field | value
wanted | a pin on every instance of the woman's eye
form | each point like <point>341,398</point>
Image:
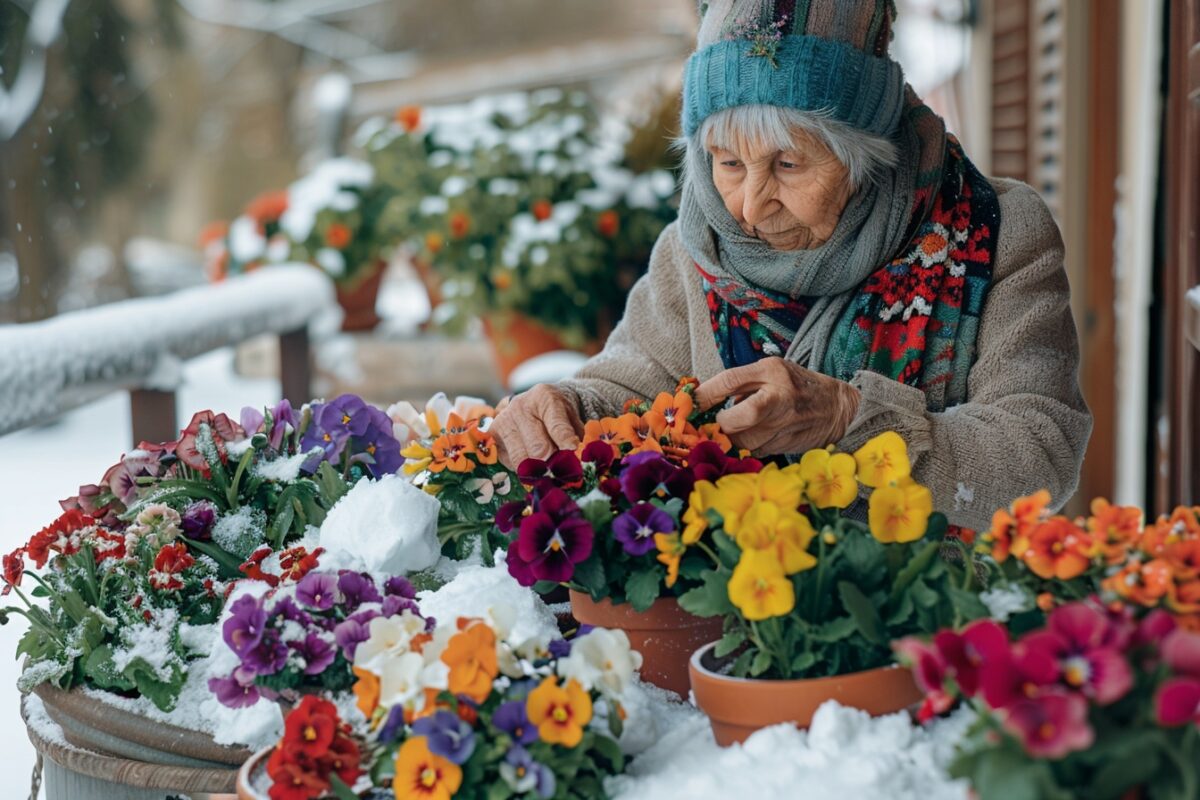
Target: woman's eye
<point>788,164</point>
<point>731,164</point>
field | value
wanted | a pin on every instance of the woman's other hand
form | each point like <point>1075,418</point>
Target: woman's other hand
<point>536,424</point>
<point>780,407</point>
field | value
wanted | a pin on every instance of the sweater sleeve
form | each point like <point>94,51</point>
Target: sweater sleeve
<point>650,348</point>
<point>1025,425</point>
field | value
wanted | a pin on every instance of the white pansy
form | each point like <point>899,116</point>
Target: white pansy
<point>389,636</point>
<point>400,679</point>
<point>601,659</point>
<point>520,783</point>
<point>408,424</point>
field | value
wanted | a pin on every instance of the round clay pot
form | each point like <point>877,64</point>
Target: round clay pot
<point>357,298</point>
<point>664,634</point>
<point>737,707</point>
<point>516,338</point>
<point>252,780</point>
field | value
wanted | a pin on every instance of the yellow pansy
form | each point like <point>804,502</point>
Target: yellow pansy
<point>900,513</point>
<point>759,588</point>
<point>829,478</point>
<point>695,518</point>
<point>417,456</point>
<point>737,494</point>
<point>782,531</point>
<point>670,550</point>
<point>883,460</point>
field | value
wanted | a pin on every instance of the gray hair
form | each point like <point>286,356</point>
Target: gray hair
<point>865,155</point>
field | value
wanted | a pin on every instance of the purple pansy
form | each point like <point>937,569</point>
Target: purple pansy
<point>553,539</point>
<point>447,735</point>
<point>708,462</point>
<point>245,626</point>
<point>393,726</point>
<point>285,608</point>
<point>399,586</point>
<point>523,774</point>
<point>269,657</point>
<point>562,470</point>
<point>394,604</point>
<point>649,475</point>
<point>357,588</point>
<point>352,632</point>
<point>511,718</point>
<point>600,455</point>
<point>635,528</point>
<point>236,691</point>
<point>197,520</point>
<point>317,590</point>
<point>509,515</point>
<point>317,653</point>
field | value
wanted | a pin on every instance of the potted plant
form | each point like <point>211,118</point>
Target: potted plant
<point>1096,703</point>
<point>606,521</point>
<point>459,710</point>
<point>450,453</point>
<point>810,598</point>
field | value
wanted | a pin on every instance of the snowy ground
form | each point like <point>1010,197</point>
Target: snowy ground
<point>42,465</point>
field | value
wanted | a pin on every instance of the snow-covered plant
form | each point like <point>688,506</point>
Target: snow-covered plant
<point>451,454</point>
<point>302,637</point>
<point>465,711</point>
<point>523,203</point>
<point>116,600</point>
<point>328,218</point>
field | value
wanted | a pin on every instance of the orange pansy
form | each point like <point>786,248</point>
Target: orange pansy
<point>1058,548</point>
<point>450,452</point>
<point>471,656</point>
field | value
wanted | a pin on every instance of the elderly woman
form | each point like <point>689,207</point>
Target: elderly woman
<point>840,268</point>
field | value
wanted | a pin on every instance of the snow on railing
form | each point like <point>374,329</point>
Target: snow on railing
<point>49,367</point>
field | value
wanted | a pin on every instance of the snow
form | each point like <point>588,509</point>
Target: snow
<point>385,527</point>
<point>38,718</point>
<point>331,93</point>
<point>323,188</point>
<point>242,531</point>
<point>245,242</point>
<point>549,367</point>
<point>281,469</point>
<point>845,754</point>
<point>52,366</point>
<point>476,590</point>
<point>151,643</point>
<point>1004,601</point>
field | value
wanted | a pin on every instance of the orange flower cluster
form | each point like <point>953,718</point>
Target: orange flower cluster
<point>1161,567</point>
<point>1152,566</point>
<point>660,427</point>
<point>460,447</point>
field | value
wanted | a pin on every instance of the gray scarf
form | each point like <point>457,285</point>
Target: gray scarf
<point>868,234</point>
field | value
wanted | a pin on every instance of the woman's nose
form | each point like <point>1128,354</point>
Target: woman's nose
<point>758,202</point>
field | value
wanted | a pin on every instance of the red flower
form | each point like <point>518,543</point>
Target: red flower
<point>268,207</point>
<point>14,568</point>
<point>460,224</point>
<point>171,560</point>
<point>252,567</point>
<point>296,562</point>
<point>343,758</point>
<point>608,224</point>
<point>1089,649</point>
<point>223,430</point>
<point>106,544</point>
<point>1051,725</point>
<point>338,235</point>
<point>1022,673</point>
<point>310,728</point>
<point>929,673</point>
<point>294,779</point>
<point>966,653</point>
<point>542,209</point>
<point>58,536</point>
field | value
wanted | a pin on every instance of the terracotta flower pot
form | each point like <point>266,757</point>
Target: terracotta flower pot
<point>517,338</point>
<point>357,298</point>
<point>737,707</point>
<point>252,780</point>
<point>664,634</point>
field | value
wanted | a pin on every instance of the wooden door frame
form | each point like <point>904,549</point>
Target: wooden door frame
<point>1178,477</point>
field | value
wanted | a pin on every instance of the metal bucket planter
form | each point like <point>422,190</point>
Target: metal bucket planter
<point>112,754</point>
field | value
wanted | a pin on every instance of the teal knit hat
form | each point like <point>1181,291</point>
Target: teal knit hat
<point>811,55</point>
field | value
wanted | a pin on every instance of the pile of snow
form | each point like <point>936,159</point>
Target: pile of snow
<point>385,527</point>
<point>476,590</point>
<point>846,754</point>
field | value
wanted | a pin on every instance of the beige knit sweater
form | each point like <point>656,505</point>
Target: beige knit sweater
<point>1025,424</point>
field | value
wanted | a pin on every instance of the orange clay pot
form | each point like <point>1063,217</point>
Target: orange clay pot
<point>737,707</point>
<point>357,298</point>
<point>249,779</point>
<point>664,634</point>
<point>517,338</point>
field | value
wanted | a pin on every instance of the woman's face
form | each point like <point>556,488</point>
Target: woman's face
<point>791,199</point>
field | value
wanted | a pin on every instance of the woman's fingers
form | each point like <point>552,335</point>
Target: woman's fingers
<point>731,382</point>
<point>562,425</point>
<point>750,414</point>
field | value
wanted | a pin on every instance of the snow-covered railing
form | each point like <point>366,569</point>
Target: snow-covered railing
<point>49,367</point>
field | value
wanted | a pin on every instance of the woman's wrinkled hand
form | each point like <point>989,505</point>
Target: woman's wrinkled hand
<point>536,424</point>
<point>780,407</point>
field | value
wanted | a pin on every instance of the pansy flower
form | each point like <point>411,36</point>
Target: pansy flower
<point>554,538</point>
<point>1089,650</point>
<point>559,712</point>
<point>648,476</point>
<point>562,470</point>
<point>635,529</point>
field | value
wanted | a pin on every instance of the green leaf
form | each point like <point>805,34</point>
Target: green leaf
<point>760,664</point>
<point>916,565</point>
<point>330,484</point>
<point>864,556</point>
<point>340,790</point>
<point>967,603</point>
<point>589,576</point>
<point>899,612</point>
<point>100,668</point>
<point>803,661</point>
<point>866,617</point>
<point>741,667</point>
<point>227,563</point>
<point>727,549</point>
<point>616,726</point>
<point>498,791</point>
<point>922,595</point>
<point>710,599</point>
<point>728,643</point>
<point>938,526</point>
<point>609,750</point>
<point>643,588</point>
<point>834,630</point>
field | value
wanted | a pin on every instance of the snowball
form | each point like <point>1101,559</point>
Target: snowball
<point>475,590</point>
<point>385,527</point>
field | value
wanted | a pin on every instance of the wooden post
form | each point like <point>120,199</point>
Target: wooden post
<point>153,415</point>
<point>295,366</point>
